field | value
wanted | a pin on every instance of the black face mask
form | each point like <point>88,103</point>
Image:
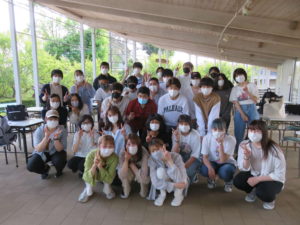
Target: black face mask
<point>116,95</point>
<point>186,70</point>
<point>104,86</point>
<point>132,86</point>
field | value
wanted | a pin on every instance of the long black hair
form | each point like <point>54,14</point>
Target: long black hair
<point>136,140</point>
<point>80,103</point>
<point>227,83</point>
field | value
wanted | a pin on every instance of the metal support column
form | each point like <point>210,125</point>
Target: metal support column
<point>94,54</point>
<point>82,48</point>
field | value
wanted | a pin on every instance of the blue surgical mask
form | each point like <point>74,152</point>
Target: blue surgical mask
<point>142,101</point>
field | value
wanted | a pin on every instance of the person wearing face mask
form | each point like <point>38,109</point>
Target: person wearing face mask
<point>116,99</point>
<point>159,73</point>
<point>217,152</point>
<point>115,127</point>
<point>186,142</point>
<point>54,103</point>
<point>136,71</point>
<point>54,87</point>
<point>213,72</point>
<point>244,97</point>
<point>133,165</point>
<point>262,166</point>
<point>84,89</point>
<point>50,143</point>
<point>195,82</point>
<point>166,75</point>
<point>172,105</point>
<point>155,91</point>
<point>139,109</point>
<point>100,166</point>
<point>131,90</point>
<point>104,68</point>
<point>84,141</point>
<point>207,106</point>
<point>223,88</point>
<point>167,174</point>
<point>77,109</point>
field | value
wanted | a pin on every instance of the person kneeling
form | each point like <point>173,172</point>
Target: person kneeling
<point>262,165</point>
<point>217,151</point>
<point>133,165</point>
<point>167,173</point>
<point>100,166</point>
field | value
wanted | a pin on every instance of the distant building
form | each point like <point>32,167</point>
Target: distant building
<point>264,77</point>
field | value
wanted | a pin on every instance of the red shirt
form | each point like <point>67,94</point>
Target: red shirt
<point>140,114</point>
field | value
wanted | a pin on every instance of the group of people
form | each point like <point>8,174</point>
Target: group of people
<point>160,131</point>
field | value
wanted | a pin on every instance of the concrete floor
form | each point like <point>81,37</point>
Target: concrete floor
<point>26,199</point>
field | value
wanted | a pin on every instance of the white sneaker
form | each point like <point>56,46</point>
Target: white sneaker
<point>269,205</point>
<point>110,195</point>
<point>211,184</point>
<point>251,196</point>
<point>84,197</point>
<point>228,187</point>
<point>160,199</point>
<point>178,198</point>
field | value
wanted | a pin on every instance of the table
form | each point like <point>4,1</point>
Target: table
<point>288,119</point>
<point>35,109</point>
<point>21,126</point>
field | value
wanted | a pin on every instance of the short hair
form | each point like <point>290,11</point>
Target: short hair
<point>80,103</point>
<point>103,77</point>
<point>189,64</point>
<point>86,117</point>
<point>185,118</point>
<point>155,79</point>
<point>78,71</point>
<point>106,64</point>
<point>195,75</point>
<point>159,68</point>
<point>214,68</point>
<point>206,81</point>
<point>239,71</point>
<point>117,86</point>
<point>155,142</point>
<point>106,138</point>
<point>214,75</point>
<point>54,96</point>
<point>144,90</point>
<point>132,79</point>
<point>167,72</point>
<point>57,72</point>
<point>174,81</point>
<point>138,65</point>
<point>219,124</point>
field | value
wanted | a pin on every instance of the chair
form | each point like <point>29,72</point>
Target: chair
<point>296,141</point>
<point>6,145</point>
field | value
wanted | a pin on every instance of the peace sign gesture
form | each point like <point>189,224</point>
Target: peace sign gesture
<point>176,134</point>
<point>66,97</point>
<point>46,95</point>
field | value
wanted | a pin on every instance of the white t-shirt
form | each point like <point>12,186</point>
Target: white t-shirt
<point>238,94</point>
<point>172,109</point>
<point>190,144</point>
<point>122,105</point>
<point>101,94</point>
<point>74,118</point>
<point>186,90</point>
<point>210,147</point>
<point>87,143</point>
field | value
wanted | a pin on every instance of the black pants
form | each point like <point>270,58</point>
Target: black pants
<point>37,165</point>
<point>76,163</point>
<point>265,191</point>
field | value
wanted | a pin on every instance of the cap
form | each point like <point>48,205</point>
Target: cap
<point>52,113</point>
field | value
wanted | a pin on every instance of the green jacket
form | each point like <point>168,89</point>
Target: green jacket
<point>106,174</point>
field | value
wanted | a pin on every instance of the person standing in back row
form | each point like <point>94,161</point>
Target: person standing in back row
<point>104,67</point>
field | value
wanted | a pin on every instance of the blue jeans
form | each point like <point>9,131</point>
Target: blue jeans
<point>240,125</point>
<point>225,170</point>
<point>191,171</point>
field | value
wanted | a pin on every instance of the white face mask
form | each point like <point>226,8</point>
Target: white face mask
<point>154,126</point>
<point>74,103</point>
<point>56,80</point>
<point>52,124</point>
<point>104,71</point>
<point>184,128</point>
<point>255,137</point>
<point>157,155</point>
<point>206,91</point>
<point>240,78</point>
<point>54,105</point>
<point>113,119</point>
<point>159,75</point>
<point>79,79</point>
<point>195,82</point>
<point>173,93</point>
<point>106,152</point>
<point>133,149</point>
<point>86,127</point>
<point>217,134</point>
<point>136,71</point>
<point>153,88</point>
<point>165,79</point>
<point>220,83</point>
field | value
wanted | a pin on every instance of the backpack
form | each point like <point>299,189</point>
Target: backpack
<point>6,135</point>
<point>268,97</point>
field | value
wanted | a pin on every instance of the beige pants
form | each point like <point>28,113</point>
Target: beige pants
<point>126,184</point>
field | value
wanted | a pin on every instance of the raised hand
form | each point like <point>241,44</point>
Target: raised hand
<point>57,134</point>
<point>47,132</point>
<point>66,97</point>
<point>80,133</point>
<point>246,150</point>
<point>123,130</point>
<point>131,116</point>
<point>46,96</point>
<point>127,155</point>
<point>176,134</point>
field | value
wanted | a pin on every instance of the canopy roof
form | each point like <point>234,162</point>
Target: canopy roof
<point>264,32</point>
